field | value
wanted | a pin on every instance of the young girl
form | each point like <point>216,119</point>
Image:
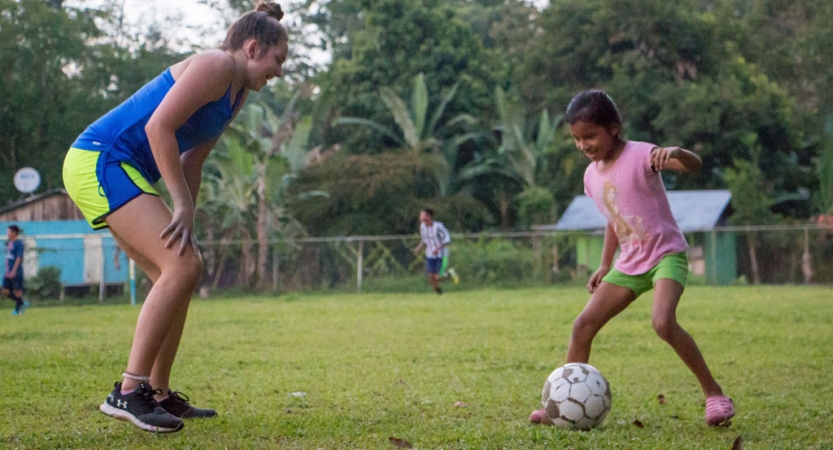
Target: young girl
<point>166,130</point>
<point>624,180</point>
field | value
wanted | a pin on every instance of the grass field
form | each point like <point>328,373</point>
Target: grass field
<point>345,371</point>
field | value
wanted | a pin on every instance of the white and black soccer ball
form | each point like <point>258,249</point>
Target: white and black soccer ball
<point>576,396</point>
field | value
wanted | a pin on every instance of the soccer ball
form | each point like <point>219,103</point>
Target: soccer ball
<point>576,396</point>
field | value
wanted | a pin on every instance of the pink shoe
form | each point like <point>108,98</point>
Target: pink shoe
<point>719,409</point>
<point>539,417</point>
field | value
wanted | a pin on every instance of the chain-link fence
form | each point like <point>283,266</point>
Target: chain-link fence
<point>727,255</point>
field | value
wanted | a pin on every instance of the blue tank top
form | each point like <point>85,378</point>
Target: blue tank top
<point>120,133</point>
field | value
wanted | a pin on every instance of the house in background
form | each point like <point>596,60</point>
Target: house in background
<point>698,213</point>
<point>54,233</point>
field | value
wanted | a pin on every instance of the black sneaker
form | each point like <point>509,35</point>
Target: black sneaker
<point>177,404</point>
<point>141,409</point>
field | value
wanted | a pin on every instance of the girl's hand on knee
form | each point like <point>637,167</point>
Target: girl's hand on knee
<point>181,228</point>
<point>596,279</point>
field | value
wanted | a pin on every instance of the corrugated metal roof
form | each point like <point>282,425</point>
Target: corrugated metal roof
<point>693,210</point>
<point>28,200</point>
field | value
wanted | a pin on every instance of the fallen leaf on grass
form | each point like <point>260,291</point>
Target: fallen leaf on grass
<point>661,399</point>
<point>738,445</point>
<point>638,424</point>
<point>460,405</point>
<point>400,443</point>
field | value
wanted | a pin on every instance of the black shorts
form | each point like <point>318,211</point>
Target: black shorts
<point>13,283</point>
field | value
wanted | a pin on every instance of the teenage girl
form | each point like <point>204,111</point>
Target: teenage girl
<point>624,181</point>
<point>166,130</point>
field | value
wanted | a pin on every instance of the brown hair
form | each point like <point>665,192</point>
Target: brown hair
<point>262,24</point>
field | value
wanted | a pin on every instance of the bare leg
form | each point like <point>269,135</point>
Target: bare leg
<point>606,302</point>
<point>161,372</point>
<point>137,226</point>
<point>667,294</point>
<point>434,280</point>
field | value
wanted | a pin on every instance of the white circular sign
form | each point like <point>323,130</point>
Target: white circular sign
<point>27,180</point>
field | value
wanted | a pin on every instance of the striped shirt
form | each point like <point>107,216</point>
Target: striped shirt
<point>434,236</point>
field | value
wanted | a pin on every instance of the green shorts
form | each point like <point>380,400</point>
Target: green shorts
<point>100,187</point>
<point>674,267</point>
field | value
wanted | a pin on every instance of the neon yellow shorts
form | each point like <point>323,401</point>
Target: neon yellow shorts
<point>674,267</point>
<point>98,191</point>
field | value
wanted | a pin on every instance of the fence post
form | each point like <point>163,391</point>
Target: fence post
<point>101,284</point>
<point>807,259</point>
<point>275,269</point>
<point>131,270</point>
<point>359,264</point>
<point>712,262</point>
<point>537,258</point>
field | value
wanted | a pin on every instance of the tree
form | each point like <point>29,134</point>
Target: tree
<point>519,162</point>
<point>60,72</point>
<point>398,39</point>
<point>751,199</point>
<point>263,152</point>
<point>677,74</point>
<point>42,105</point>
<point>824,172</point>
<point>417,132</point>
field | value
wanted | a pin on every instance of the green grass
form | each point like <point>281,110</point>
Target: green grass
<point>376,366</point>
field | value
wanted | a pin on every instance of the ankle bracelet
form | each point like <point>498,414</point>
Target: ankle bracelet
<point>130,376</point>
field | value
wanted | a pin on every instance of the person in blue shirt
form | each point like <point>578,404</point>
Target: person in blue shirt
<point>13,275</point>
<point>165,131</point>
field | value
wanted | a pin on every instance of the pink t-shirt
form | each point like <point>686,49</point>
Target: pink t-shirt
<point>632,198</point>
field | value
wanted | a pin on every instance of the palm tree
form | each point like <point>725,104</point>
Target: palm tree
<point>417,132</point>
<point>263,153</point>
<point>228,200</point>
<point>519,161</point>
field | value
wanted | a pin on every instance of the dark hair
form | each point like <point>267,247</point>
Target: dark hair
<point>263,24</point>
<point>429,211</point>
<point>15,228</point>
<point>595,107</point>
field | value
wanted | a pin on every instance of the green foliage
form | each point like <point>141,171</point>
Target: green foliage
<point>416,131</point>
<point>824,198</point>
<point>535,206</point>
<point>793,42</point>
<point>678,77</point>
<point>397,40</point>
<point>492,261</point>
<point>751,198</point>
<point>380,194</point>
<point>516,167</point>
<point>60,72</point>
<point>46,284</point>
<point>247,190</point>
<point>699,75</point>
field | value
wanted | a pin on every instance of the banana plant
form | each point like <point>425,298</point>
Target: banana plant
<point>416,131</point>
<point>519,159</point>
<point>263,152</point>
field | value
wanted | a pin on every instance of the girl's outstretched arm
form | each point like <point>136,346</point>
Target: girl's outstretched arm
<point>676,159</point>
